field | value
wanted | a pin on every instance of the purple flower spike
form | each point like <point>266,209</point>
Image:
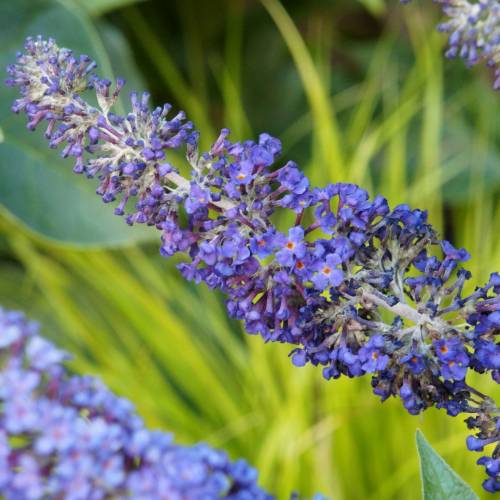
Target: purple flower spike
<point>355,286</point>
<point>77,440</point>
<point>473,29</point>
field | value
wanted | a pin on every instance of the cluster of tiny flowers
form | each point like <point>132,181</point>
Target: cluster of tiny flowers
<point>66,436</point>
<point>355,286</point>
<point>474,32</point>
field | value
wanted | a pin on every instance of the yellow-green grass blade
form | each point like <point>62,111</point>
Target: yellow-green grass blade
<point>326,131</point>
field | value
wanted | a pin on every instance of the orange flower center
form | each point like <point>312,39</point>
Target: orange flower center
<point>326,270</point>
<point>290,245</point>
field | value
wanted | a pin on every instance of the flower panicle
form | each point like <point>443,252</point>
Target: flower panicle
<point>67,436</point>
<point>473,30</point>
<point>355,286</point>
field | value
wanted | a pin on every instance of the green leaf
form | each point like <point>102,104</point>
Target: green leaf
<point>36,186</point>
<point>100,7</point>
<point>439,480</point>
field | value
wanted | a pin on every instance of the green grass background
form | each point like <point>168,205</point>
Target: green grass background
<point>358,92</point>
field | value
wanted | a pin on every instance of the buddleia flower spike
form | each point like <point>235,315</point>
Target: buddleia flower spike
<point>67,436</point>
<point>473,29</point>
<point>354,286</point>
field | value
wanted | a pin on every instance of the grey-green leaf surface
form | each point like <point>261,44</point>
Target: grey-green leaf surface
<point>439,480</point>
<point>36,186</point>
<point>100,7</point>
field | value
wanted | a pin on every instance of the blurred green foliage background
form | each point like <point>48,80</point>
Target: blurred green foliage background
<point>357,91</point>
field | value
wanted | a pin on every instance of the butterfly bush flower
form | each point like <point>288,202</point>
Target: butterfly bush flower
<point>473,29</point>
<point>66,436</point>
<point>355,286</point>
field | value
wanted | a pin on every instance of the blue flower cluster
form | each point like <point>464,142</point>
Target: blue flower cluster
<point>474,32</point>
<point>66,436</point>
<point>355,286</point>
